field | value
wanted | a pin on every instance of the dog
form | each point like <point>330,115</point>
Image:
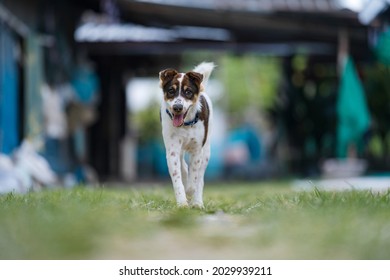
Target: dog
<point>186,120</point>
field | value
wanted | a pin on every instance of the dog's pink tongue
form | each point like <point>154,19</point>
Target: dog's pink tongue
<point>178,120</point>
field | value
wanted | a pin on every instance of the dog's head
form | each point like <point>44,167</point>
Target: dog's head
<point>181,92</point>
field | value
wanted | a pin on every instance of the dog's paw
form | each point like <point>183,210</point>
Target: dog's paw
<point>197,205</point>
<point>183,204</point>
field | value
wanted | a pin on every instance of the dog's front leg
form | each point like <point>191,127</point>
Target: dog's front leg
<point>174,166</point>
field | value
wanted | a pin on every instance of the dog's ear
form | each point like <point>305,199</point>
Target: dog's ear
<point>166,76</point>
<point>195,77</point>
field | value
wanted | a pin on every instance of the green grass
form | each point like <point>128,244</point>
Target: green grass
<point>240,221</point>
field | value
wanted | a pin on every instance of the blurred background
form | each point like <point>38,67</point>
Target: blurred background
<point>302,88</point>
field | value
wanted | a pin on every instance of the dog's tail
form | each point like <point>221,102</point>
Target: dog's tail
<point>205,68</point>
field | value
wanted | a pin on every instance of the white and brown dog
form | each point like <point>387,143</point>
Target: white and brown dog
<point>186,118</point>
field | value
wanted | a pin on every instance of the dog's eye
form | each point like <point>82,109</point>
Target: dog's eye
<point>171,92</point>
<point>188,93</point>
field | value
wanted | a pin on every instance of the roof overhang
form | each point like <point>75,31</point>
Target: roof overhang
<point>260,25</point>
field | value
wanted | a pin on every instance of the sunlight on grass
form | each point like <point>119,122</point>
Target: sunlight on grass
<point>240,221</point>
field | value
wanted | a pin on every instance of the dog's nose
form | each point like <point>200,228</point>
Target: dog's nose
<point>177,108</point>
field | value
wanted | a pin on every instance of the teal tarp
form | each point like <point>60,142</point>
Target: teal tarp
<point>352,110</point>
<point>382,48</point>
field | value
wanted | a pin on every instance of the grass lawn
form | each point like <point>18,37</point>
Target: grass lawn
<point>265,220</point>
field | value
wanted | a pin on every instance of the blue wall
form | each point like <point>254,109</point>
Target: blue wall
<point>9,91</point>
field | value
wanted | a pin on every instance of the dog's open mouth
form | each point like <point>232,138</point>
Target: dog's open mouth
<point>178,119</point>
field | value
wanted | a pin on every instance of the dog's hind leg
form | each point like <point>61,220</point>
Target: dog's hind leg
<point>184,174</point>
<point>196,178</point>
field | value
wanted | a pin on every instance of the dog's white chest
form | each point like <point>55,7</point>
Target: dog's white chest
<point>188,138</point>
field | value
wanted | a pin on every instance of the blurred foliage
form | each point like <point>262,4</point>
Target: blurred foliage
<point>377,84</point>
<point>147,123</point>
<point>250,81</point>
<point>193,58</point>
<point>304,114</point>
